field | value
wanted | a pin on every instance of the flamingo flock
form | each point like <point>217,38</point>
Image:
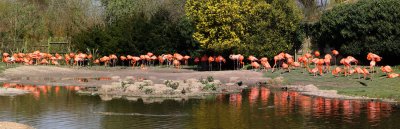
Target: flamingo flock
<point>283,61</point>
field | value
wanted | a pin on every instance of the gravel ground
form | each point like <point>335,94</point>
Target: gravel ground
<point>96,76</point>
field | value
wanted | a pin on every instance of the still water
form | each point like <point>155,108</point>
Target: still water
<point>60,107</point>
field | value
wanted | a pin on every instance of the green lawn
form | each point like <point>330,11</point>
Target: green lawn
<point>378,87</point>
<point>4,67</point>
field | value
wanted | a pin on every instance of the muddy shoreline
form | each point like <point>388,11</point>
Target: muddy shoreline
<point>13,125</point>
<point>98,76</point>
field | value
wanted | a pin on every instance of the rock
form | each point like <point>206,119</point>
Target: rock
<point>148,90</point>
<point>191,81</point>
<point>110,88</point>
<point>148,82</point>
<point>115,77</point>
<point>129,78</point>
<point>308,88</point>
<point>243,86</point>
<point>161,89</point>
<point>139,84</point>
<point>233,79</point>
<point>106,97</point>
<point>133,89</point>
<point>231,84</point>
<point>216,82</point>
<point>132,98</point>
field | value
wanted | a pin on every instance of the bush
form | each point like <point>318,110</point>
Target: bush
<point>172,84</point>
<point>362,27</point>
<point>210,86</point>
<point>210,78</point>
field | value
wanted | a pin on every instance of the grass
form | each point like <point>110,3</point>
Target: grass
<point>378,87</point>
<point>3,67</point>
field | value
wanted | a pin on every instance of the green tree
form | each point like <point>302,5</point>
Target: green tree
<point>220,24</point>
<point>248,27</point>
<point>362,27</point>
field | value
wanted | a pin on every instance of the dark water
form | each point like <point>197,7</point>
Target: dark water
<point>60,107</point>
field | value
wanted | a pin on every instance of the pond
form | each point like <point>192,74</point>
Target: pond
<point>257,107</point>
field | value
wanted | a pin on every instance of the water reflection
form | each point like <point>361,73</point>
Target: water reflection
<point>61,107</point>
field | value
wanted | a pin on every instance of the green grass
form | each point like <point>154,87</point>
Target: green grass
<point>379,87</point>
<point>3,67</point>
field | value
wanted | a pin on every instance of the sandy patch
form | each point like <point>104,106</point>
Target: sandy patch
<point>13,125</point>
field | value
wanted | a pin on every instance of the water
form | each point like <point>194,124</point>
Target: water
<point>60,107</point>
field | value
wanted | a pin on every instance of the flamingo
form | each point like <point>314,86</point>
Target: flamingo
<point>134,60</point>
<point>366,72</point>
<point>161,59</point>
<point>44,61</point>
<point>252,59</point>
<point>210,61</point>
<point>387,69</point>
<point>153,58</point>
<point>277,59</point>
<point>335,53</point>
<point>313,71</point>
<point>265,63</point>
<point>240,61</point>
<point>143,59</point>
<point>373,58</point>
<point>72,57</point>
<point>220,60</point>
<point>393,75</point>
<point>185,59</point>
<point>327,61</point>
<point>113,59</point>
<point>320,64</point>
<point>97,61</point>
<point>347,62</point>
<point>6,59</point>
<point>129,59</point>
<point>285,66</point>
<point>317,54</point>
<point>255,65</point>
<point>336,71</point>
<point>359,71</point>
<point>105,60</point>
<point>196,61</point>
<point>235,59</point>
<point>304,61</point>
<point>123,59</point>
<point>177,64</point>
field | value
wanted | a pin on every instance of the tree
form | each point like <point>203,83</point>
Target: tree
<point>220,24</point>
<point>271,28</point>
<point>248,27</point>
<point>362,27</point>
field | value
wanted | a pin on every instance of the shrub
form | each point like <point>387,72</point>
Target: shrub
<point>362,27</point>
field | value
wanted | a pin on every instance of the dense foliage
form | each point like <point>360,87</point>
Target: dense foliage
<point>245,26</point>
<point>137,31</point>
<point>35,21</point>
<point>366,26</point>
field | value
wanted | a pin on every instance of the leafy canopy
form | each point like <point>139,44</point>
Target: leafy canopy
<point>245,26</point>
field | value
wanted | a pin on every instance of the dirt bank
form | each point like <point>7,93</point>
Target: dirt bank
<point>96,76</point>
<point>13,125</point>
<point>312,90</point>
